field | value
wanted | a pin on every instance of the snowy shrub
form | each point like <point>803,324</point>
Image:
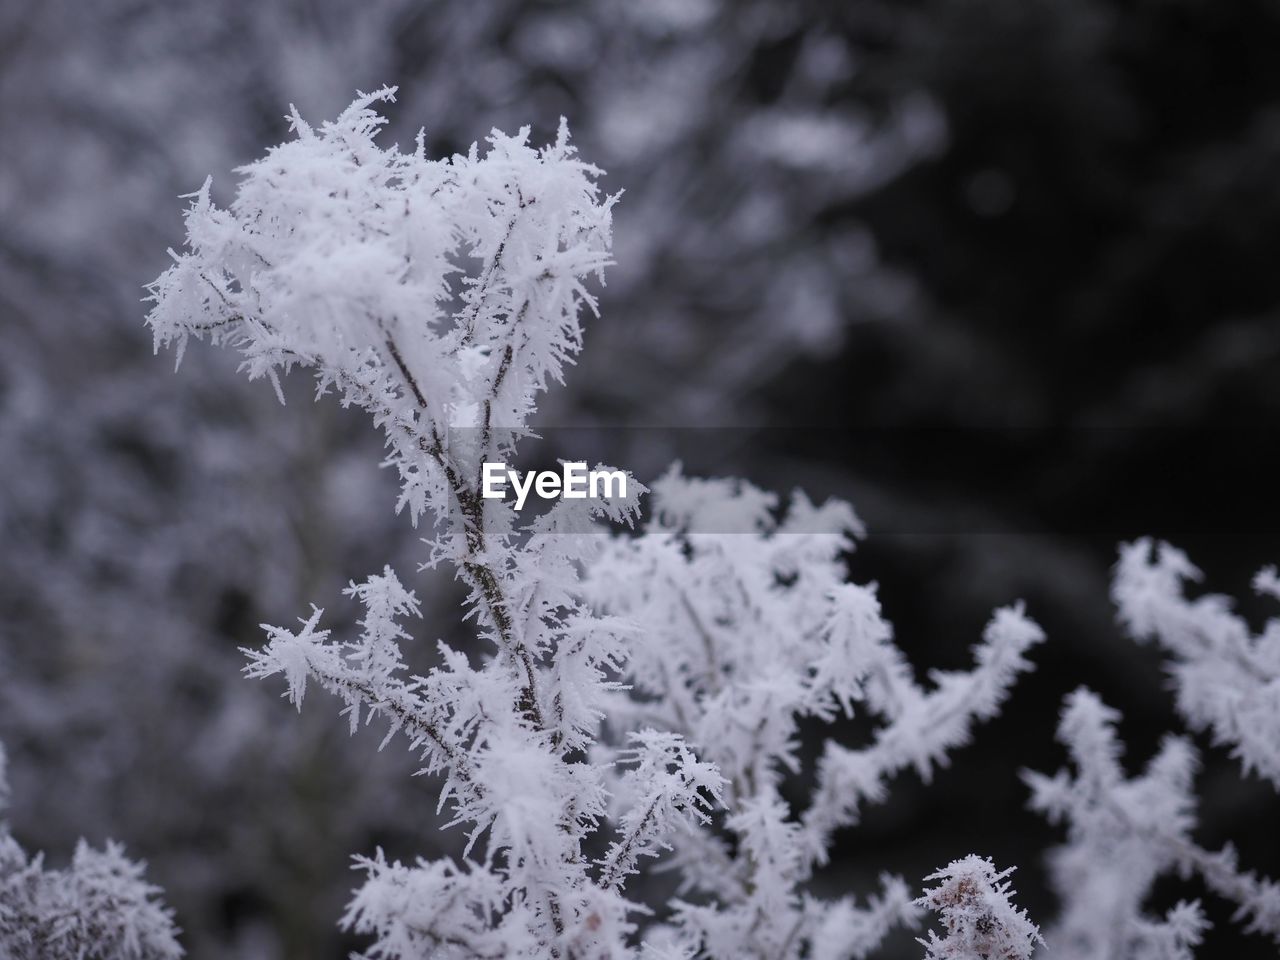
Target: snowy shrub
<point>121,494</point>
<point>642,693</point>
<point>98,908</point>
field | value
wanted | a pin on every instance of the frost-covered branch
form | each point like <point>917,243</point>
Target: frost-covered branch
<point>750,627</point>
<point>665,784</point>
<point>339,255</point>
<point>1122,835</point>
<point>922,725</point>
<point>1226,676</point>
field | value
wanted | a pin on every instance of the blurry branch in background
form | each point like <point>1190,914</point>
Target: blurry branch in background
<point>98,908</point>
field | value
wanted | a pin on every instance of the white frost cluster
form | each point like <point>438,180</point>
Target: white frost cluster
<point>980,922</point>
<point>643,694</point>
<point>98,908</point>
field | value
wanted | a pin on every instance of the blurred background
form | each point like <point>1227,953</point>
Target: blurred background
<point>1003,273</point>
